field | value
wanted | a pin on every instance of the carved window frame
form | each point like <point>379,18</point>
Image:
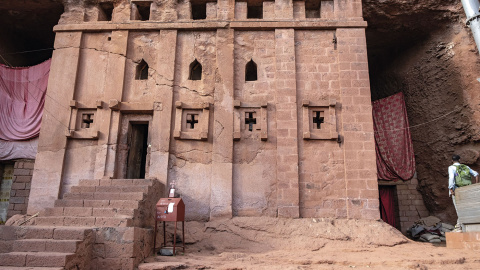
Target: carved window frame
<point>75,130</point>
<point>201,134</point>
<point>261,112</point>
<point>329,130</point>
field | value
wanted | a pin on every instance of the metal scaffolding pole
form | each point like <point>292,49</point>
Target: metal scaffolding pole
<point>471,8</point>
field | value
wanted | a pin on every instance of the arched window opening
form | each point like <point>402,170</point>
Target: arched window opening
<point>195,71</point>
<point>142,71</point>
<point>251,71</point>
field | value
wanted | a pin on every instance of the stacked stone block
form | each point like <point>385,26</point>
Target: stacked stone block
<point>100,224</point>
<point>465,240</point>
<point>359,151</point>
<point>287,137</point>
<point>22,177</point>
<point>410,202</point>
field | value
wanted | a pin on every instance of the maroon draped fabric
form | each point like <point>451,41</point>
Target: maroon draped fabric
<point>387,204</point>
<point>393,143</point>
<point>22,96</point>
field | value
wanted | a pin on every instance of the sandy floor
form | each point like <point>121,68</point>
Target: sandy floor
<point>268,243</point>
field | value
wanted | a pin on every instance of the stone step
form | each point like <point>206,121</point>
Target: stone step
<point>115,182</point>
<point>124,204</point>
<point>85,221</point>
<point>35,259</point>
<point>43,232</point>
<point>105,196</point>
<point>30,268</point>
<point>90,211</point>
<point>114,189</point>
<point>45,245</point>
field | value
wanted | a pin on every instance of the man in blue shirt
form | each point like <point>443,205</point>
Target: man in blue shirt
<point>452,169</point>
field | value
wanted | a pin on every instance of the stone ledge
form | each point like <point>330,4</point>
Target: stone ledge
<point>189,25</point>
<point>464,240</point>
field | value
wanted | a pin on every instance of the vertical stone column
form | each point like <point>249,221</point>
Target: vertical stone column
<point>162,114</point>
<point>47,176</point>
<point>283,9</point>
<point>348,9</point>
<point>287,138</point>
<point>108,120</point>
<point>357,125</point>
<point>222,152</point>
<point>226,9</point>
<point>355,10</point>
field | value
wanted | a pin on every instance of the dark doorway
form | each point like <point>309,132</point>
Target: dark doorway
<point>389,211</point>
<point>137,150</point>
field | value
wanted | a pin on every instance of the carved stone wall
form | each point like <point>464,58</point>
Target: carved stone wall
<point>246,113</point>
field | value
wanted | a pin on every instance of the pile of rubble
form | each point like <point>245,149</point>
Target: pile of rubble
<point>429,229</point>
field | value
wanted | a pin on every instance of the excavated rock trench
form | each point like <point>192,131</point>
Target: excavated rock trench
<point>421,48</point>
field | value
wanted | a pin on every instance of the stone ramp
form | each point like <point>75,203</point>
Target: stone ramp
<point>99,224</point>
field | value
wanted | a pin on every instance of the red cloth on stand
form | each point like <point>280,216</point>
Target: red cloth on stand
<point>22,97</point>
<point>387,204</point>
<point>393,142</point>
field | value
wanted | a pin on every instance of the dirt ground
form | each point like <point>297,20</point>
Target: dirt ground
<point>269,243</point>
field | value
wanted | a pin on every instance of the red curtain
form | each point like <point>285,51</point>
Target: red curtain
<point>387,204</point>
<point>22,96</point>
<point>393,143</point>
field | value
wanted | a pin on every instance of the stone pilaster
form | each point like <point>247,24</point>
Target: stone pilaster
<point>162,115</point>
<point>47,176</point>
<point>284,9</point>
<point>357,125</point>
<point>226,9</point>
<point>108,120</point>
<point>286,109</point>
<point>222,156</point>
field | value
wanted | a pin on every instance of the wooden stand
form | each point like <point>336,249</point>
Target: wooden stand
<point>170,209</point>
<point>165,237</point>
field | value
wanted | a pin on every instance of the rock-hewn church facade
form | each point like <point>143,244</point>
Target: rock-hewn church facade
<point>247,108</point>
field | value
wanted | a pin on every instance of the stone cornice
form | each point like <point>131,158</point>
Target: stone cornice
<point>211,25</point>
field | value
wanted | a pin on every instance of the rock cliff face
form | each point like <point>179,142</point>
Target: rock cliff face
<point>421,48</point>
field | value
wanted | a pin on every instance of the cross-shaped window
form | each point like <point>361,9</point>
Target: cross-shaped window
<point>250,120</point>
<point>318,119</point>
<point>191,121</point>
<point>87,119</point>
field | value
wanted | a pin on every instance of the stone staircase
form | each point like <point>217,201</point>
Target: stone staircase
<point>99,224</point>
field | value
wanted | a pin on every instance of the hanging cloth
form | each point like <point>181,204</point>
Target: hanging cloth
<point>387,204</point>
<point>393,142</point>
<point>18,149</point>
<point>22,97</point>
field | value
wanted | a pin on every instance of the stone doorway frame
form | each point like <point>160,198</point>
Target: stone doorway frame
<point>121,159</point>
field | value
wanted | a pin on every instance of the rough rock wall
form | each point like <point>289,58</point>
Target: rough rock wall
<point>436,64</point>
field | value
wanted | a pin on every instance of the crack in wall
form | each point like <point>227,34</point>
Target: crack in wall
<point>153,76</point>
